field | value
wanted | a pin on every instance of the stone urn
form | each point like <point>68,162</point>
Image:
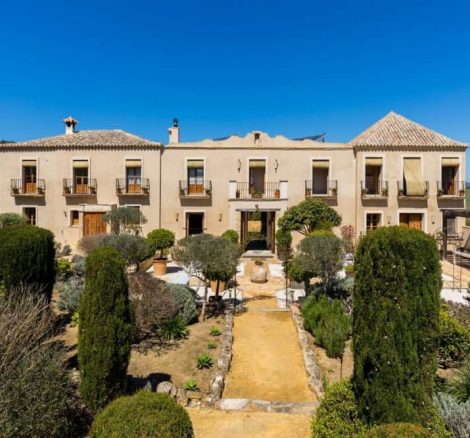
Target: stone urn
<point>259,274</point>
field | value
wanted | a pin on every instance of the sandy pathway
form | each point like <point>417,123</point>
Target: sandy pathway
<point>267,362</point>
<point>218,424</point>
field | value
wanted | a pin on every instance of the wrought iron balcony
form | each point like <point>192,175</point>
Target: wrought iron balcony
<point>451,189</point>
<point>21,187</point>
<point>133,185</point>
<point>377,189</point>
<point>327,190</point>
<point>79,186</point>
<point>269,190</point>
<point>197,189</point>
<point>420,190</point>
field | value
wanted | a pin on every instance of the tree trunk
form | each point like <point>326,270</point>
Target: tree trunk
<point>203,311</point>
<point>341,367</point>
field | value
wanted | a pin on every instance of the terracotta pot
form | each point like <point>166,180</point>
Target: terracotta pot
<point>222,285</point>
<point>159,266</point>
<point>259,274</point>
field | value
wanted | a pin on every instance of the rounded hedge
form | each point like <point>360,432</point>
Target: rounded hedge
<point>399,430</point>
<point>231,235</point>
<point>185,299</point>
<point>161,239</point>
<point>27,257</point>
<point>338,416</point>
<point>145,414</point>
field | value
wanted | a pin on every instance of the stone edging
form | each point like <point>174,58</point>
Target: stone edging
<point>311,367</point>
<point>243,404</point>
<point>223,362</point>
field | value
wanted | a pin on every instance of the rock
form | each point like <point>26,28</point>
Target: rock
<point>165,387</point>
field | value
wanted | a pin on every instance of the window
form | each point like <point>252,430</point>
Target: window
<point>257,174</point>
<point>133,176</point>
<point>195,177</point>
<point>194,223</point>
<point>450,167</point>
<point>74,218</point>
<point>373,221</point>
<point>373,173</point>
<point>320,174</point>
<point>29,176</point>
<point>411,220</point>
<point>30,215</point>
<point>414,184</point>
<point>80,176</point>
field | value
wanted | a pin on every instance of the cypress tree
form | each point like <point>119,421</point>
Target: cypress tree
<point>27,258</point>
<point>105,329</point>
<point>395,325</point>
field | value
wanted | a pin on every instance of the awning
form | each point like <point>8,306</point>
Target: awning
<point>320,164</point>
<point>80,164</point>
<point>450,162</point>
<point>374,162</point>
<point>29,163</point>
<point>257,163</point>
<point>133,163</point>
<point>415,185</point>
<point>192,164</point>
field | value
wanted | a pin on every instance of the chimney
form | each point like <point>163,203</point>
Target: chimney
<point>70,123</point>
<point>174,132</point>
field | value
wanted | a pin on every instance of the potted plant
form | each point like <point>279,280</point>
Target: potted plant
<point>334,191</point>
<point>259,274</point>
<point>385,192</point>
<point>208,192</point>
<point>439,192</point>
<point>160,240</point>
<point>364,191</point>
<point>277,193</point>
<point>462,193</point>
<point>308,192</point>
<point>237,194</point>
<point>401,192</point>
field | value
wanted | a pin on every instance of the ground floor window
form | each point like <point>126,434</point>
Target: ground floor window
<point>74,218</point>
<point>373,221</point>
<point>412,220</point>
<point>30,215</point>
<point>194,223</point>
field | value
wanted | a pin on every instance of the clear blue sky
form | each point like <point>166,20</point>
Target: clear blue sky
<point>222,67</point>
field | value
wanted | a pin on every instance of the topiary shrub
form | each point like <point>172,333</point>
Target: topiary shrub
<point>134,249</point>
<point>185,301</point>
<point>145,414</point>
<point>7,219</point>
<point>454,340</point>
<point>160,239</point>
<point>231,235</point>
<point>283,243</point>
<point>105,329</point>
<point>396,305</point>
<point>338,416</point>
<point>153,303</point>
<point>27,257</point>
<point>399,430</point>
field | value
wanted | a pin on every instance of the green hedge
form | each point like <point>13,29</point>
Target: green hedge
<point>396,325</point>
<point>399,430</point>
<point>105,329</point>
<point>454,340</point>
<point>338,416</point>
<point>27,257</point>
<point>145,414</point>
<point>231,235</point>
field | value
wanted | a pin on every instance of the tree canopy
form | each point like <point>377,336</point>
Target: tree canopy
<point>125,220</point>
<point>308,216</point>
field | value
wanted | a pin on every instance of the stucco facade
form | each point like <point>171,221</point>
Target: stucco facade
<point>214,185</point>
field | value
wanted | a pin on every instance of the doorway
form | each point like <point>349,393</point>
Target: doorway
<point>194,223</point>
<point>412,220</point>
<point>258,230</point>
<point>93,223</point>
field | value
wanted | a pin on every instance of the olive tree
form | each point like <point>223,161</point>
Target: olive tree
<point>208,258</point>
<point>308,216</point>
<point>125,220</point>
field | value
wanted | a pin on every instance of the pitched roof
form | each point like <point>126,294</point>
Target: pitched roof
<point>95,138</point>
<point>396,130</point>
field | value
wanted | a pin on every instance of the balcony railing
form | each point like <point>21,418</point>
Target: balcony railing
<point>80,186</point>
<point>327,190</point>
<point>132,185</point>
<point>269,190</point>
<point>418,190</point>
<point>451,189</point>
<point>21,187</point>
<point>378,190</point>
<point>197,189</point>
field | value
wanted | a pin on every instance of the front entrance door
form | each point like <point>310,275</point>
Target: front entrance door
<point>194,223</point>
<point>93,223</point>
<point>412,220</point>
<point>257,230</point>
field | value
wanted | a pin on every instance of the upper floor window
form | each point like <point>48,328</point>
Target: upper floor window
<point>320,176</point>
<point>413,182</point>
<point>257,176</point>
<point>195,174</point>
<point>80,176</point>
<point>373,172</point>
<point>29,175</point>
<point>449,177</point>
<point>133,176</point>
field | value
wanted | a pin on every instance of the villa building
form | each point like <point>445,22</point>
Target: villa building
<point>396,172</point>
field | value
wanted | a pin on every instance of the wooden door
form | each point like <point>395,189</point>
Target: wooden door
<point>93,223</point>
<point>448,180</point>
<point>412,220</point>
<point>134,179</point>
<point>29,179</point>
<point>81,180</point>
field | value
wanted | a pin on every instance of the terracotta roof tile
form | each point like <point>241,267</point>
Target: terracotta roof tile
<point>396,130</point>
